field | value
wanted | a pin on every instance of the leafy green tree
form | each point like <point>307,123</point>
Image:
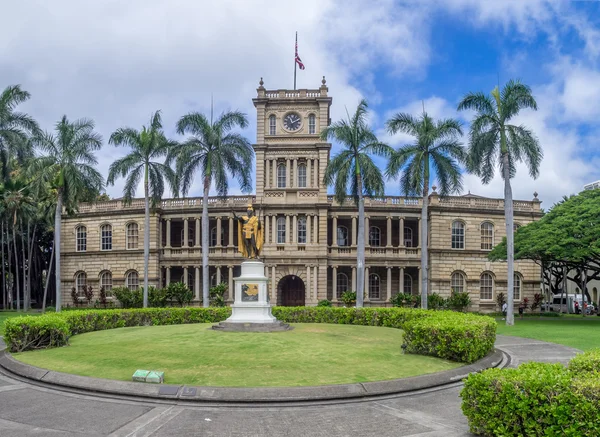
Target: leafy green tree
<point>69,167</point>
<point>436,147</point>
<point>146,146</point>
<point>353,169</point>
<point>493,141</point>
<point>215,152</point>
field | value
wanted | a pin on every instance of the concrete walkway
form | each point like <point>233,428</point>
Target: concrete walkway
<point>30,410</point>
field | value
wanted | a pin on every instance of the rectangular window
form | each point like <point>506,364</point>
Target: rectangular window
<point>312,124</point>
<point>281,230</point>
<point>81,239</point>
<point>458,235</point>
<point>486,287</point>
<point>487,236</point>
<point>302,230</point>
<point>272,125</point>
<point>106,237</point>
<point>302,176</point>
<point>132,236</point>
<point>281,176</point>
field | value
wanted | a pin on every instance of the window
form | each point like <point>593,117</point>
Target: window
<point>106,282</point>
<point>312,128</point>
<point>213,237</point>
<point>280,230</point>
<point>106,237</point>
<point>516,227</point>
<point>408,284</point>
<point>374,236</point>
<point>302,176</point>
<point>342,284</point>
<point>132,280</point>
<point>374,286</point>
<point>342,236</point>
<point>281,179</point>
<point>302,230</point>
<point>487,236</point>
<point>517,287</point>
<point>132,236</point>
<point>80,283</point>
<point>408,237</point>
<point>81,239</point>
<point>272,125</point>
<point>458,235</point>
<point>457,282</point>
<point>213,280</point>
<point>486,287</point>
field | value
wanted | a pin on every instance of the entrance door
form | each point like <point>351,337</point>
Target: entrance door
<point>291,290</point>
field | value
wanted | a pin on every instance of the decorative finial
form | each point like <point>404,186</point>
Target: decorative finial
<point>434,188</point>
<point>261,83</point>
<point>323,81</point>
<point>535,194</point>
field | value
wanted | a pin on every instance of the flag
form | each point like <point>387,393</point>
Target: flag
<point>298,60</point>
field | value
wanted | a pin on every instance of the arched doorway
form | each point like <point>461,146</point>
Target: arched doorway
<point>291,290</point>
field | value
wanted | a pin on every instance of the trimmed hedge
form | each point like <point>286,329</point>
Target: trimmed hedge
<point>445,334</point>
<point>535,399</point>
<point>588,362</point>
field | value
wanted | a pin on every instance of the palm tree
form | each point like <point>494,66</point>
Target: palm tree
<point>353,170</point>
<point>14,127</point>
<point>147,145</point>
<point>215,152</point>
<point>493,141</point>
<point>436,145</point>
<point>69,168</point>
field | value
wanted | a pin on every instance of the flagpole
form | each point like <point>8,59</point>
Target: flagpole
<point>295,63</point>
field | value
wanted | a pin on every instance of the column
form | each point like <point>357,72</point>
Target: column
<point>354,231</point>
<point>288,182</point>
<point>308,229</point>
<point>219,241</point>
<point>401,280</point>
<point>308,287</point>
<point>160,233</point>
<point>294,182</point>
<point>267,173</point>
<point>197,283</point>
<point>274,229</point>
<point>168,268</point>
<point>230,243</point>
<point>367,284</point>
<point>186,234</point>
<point>308,173</point>
<point>389,284</point>
<point>334,285</point>
<point>287,228</point>
<point>389,232</point>
<point>401,233</point>
<point>218,275</point>
<point>366,231</point>
<point>315,288</point>
<point>230,290</point>
<point>419,232</point>
<point>197,231</point>
<point>334,232</point>
<point>353,278</point>
<point>316,174</point>
<point>185,275</point>
<point>267,228</point>
<point>294,227</point>
<point>273,286</point>
<point>169,233</point>
<point>316,229</point>
<point>274,173</point>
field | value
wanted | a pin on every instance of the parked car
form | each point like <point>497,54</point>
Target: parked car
<point>559,304</point>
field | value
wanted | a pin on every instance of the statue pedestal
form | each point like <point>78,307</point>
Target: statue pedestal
<point>251,310</point>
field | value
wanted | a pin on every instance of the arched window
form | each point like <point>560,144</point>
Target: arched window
<point>486,287</point>
<point>408,284</point>
<point>280,230</point>
<point>342,284</point>
<point>457,282</point>
<point>132,236</point>
<point>213,237</point>
<point>408,237</point>
<point>302,176</point>
<point>374,236</point>
<point>517,287</point>
<point>374,286</point>
<point>312,125</point>
<point>81,238</point>
<point>458,235</point>
<point>106,237</point>
<point>132,280</point>
<point>302,230</point>
<point>106,282</point>
<point>342,236</point>
<point>80,283</point>
<point>272,125</point>
<point>487,236</point>
<point>281,179</point>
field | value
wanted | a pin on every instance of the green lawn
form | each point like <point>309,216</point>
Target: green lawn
<point>10,314</point>
<point>311,354</point>
<point>577,332</point>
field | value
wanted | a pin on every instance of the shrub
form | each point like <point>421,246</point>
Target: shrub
<point>348,298</point>
<point>459,301</point>
<point>588,362</point>
<point>217,295</point>
<point>129,298</point>
<point>157,297</point>
<point>103,297</point>
<point>74,296</point>
<point>40,332</point>
<point>89,294</point>
<point>180,293</point>
<point>537,301</point>
<point>500,300</point>
<point>534,399</point>
<point>405,300</point>
<point>436,302</point>
<point>324,303</point>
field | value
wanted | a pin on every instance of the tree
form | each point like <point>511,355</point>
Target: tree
<point>215,152</point>
<point>146,146</point>
<point>436,145</point>
<point>68,167</point>
<point>353,169</point>
<point>493,141</point>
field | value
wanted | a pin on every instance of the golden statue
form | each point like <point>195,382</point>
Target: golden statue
<point>250,234</point>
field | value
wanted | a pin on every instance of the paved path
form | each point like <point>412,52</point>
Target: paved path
<point>29,410</point>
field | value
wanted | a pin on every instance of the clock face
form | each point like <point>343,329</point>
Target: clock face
<point>291,121</point>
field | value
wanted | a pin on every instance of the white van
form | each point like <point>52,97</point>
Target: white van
<point>559,304</point>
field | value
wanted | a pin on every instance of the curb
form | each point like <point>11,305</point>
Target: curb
<point>240,395</point>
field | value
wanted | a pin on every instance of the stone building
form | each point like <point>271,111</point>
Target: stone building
<point>310,239</point>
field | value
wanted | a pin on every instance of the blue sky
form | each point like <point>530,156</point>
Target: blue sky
<point>117,62</point>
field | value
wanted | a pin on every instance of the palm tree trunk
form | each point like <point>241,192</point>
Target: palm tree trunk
<point>57,215</point>
<point>48,275</point>
<point>30,261</point>
<point>360,251</point>
<point>16,266</point>
<point>4,288</point>
<point>423,241</point>
<point>510,243</point>
<point>24,270</point>
<point>11,282</point>
<point>146,236</point>
<point>205,242</point>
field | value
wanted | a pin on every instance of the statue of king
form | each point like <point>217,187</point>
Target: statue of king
<point>250,234</point>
